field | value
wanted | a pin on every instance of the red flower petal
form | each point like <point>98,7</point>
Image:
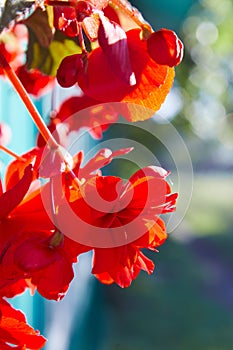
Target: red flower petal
<point>15,170</point>
<point>102,158</point>
<point>34,254</point>
<point>9,289</point>
<point>120,265</point>
<point>10,199</point>
<point>113,41</point>
<point>54,161</point>
<point>8,311</point>
<point>15,330</point>
<point>53,282</point>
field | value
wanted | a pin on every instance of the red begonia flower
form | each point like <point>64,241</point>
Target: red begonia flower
<point>15,331</point>
<point>111,14</point>
<point>132,210</point>
<point>153,81</point>
<point>164,47</point>
<point>38,256</point>
<point>28,247</point>
<point>46,260</point>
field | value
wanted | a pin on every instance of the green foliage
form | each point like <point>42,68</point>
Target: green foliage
<point>48,59</point>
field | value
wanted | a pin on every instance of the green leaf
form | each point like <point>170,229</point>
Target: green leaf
<point>47,48</point>
<point>48,59</point>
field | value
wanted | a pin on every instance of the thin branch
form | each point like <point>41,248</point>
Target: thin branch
<point>35,115</point>
<point>11,153</point>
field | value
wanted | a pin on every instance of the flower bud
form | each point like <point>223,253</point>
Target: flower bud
<point>69,69</point>
<point>165,48</point>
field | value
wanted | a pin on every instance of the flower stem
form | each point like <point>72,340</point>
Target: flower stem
<point>11,153</point>
<point>35,115</point>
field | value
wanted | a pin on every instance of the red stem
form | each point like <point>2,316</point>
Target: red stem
<point>46,134</point>
<point>11,153</point>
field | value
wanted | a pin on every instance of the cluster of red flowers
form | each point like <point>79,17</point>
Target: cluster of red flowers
<point>37,238</point>
<point>45,227</point>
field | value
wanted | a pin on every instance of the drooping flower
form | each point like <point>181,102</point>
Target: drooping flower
<point>31,249</point>
<point>152,80</point>
<point>44,258</point>
<point>138,64</point>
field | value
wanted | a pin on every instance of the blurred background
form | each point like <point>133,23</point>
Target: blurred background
<point>188,302</point>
